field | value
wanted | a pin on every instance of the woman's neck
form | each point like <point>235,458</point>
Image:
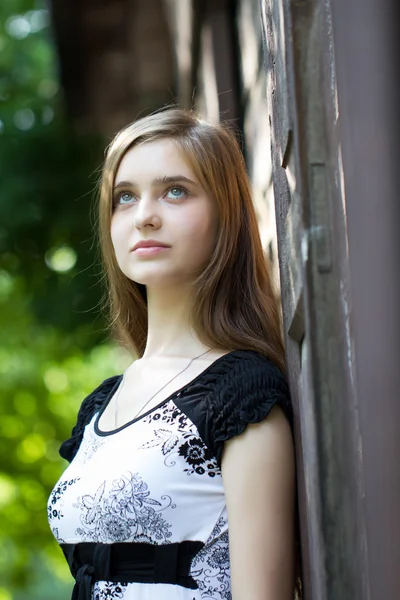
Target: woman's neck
<point>169,331</point>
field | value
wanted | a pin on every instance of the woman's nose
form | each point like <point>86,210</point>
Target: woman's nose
<point>146,212</point>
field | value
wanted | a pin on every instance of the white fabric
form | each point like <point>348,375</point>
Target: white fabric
<point>152,481</point>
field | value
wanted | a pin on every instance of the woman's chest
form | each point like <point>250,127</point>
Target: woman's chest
<point>155,468</point>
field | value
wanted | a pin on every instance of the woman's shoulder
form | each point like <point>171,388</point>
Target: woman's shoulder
<point>240,388</point>
<point>245,368</point>
<point>89,406</point>
<point>248,380</point>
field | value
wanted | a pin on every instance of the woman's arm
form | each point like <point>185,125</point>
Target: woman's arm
<point>259,479</point>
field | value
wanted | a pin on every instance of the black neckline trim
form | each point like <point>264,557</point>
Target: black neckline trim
<point>114,388</point>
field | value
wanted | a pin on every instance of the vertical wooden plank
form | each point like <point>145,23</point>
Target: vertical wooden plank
<point>289,224</point>
<point>315,290</point>
<point>367,59</point>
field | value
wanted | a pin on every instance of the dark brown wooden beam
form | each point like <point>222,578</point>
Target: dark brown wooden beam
<point>116,60</point>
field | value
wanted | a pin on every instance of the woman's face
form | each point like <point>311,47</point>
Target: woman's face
<point>157,197</point>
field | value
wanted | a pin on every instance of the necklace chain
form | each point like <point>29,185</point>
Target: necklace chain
<point>164,386</point>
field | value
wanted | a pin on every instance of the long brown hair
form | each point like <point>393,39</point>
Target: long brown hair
<point>233,301</point>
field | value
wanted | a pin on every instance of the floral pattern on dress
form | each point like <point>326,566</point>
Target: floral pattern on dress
<point>199,457</point>
<point>181,442</point>
<point>168,414</point>
<point>211,566</point>
<point>57,535</point>
<point>106,590</point>
<point>93,443</point>
<point>127,513</point>
<point>54,512</point>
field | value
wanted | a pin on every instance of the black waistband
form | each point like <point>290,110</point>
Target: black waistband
<point>129,562</point>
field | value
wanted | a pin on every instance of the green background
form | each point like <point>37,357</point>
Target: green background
<point>54,347</point>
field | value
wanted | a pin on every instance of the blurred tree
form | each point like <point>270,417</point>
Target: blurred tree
<point>53,344</point>
<point>45,170</point>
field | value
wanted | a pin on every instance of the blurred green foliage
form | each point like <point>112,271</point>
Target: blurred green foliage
<point>53,342</point>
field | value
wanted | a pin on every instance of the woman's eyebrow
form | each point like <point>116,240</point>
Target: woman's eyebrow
<point>159,181</point>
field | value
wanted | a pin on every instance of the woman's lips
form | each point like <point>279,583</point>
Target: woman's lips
<point>143,251</point>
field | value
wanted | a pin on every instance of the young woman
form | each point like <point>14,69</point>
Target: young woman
<point>182,483</point>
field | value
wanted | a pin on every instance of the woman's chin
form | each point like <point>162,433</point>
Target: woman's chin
<point>159,280</point>
<point>151,279</point>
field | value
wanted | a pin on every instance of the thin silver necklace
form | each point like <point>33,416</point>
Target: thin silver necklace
<point>144,405</point>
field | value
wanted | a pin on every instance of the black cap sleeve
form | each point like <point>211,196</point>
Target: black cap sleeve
<point>249,395</point>
<point>89,406</point>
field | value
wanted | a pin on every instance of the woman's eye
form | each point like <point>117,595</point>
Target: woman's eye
<point>124,198</point>
<point>176,192</point>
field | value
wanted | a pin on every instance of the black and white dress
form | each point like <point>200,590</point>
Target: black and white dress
<point>157,479</point>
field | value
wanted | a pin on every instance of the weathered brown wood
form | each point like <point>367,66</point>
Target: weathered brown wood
<point>367,62</point>
<point>315,289</point>
<point>116,60</point>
